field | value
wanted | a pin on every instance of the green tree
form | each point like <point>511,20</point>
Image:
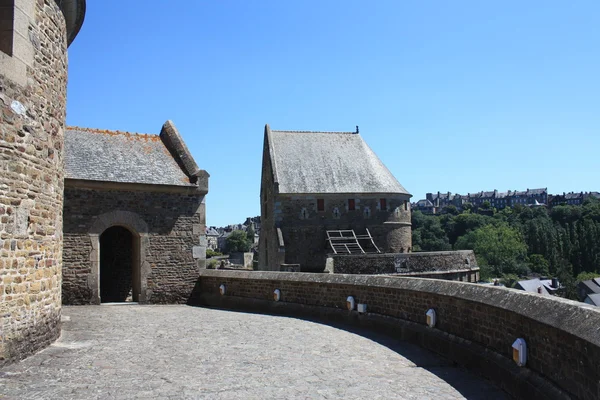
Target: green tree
<point>567,280</point>
<point>538,264</point>
<point>451,209</point>
<point>237,241</point>
<point>250,234</point>
<point>428,235</point>
<point>212,253</point>
<point>586,276</point>
<point>499,249</point>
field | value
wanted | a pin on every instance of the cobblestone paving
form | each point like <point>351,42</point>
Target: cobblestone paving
<point>181,352</point>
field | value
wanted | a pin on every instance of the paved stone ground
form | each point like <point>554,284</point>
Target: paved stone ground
<point>181,352</point>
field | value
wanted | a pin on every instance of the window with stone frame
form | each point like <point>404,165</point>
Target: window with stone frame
<point>351,205</point>
<point>336,213</point>
<point>320,204</point>
<point>382,204</point>
<point>7,17</point>
<point>367,212</point>
<point>303,213</point>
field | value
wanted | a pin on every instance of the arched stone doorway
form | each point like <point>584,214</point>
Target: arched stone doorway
<point>114,269</point>
<point>119,266</point>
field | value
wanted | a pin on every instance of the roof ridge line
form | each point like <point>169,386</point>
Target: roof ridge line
<point>286,131</point>
<point>99,130</point>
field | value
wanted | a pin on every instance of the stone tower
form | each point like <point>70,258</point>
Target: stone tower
<point>34,35</point>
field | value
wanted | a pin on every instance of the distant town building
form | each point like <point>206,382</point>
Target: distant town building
<point>589,287</point>
<point>593,299</point>
<point>540,286</point>
<point>572,198</point>
<point>435,203</point>
<point>212,236</point>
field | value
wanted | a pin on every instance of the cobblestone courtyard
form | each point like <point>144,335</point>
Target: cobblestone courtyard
<point>181,352</point>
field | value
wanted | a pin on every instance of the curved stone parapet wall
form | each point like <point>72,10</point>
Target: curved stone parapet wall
<point>32,117</point>
<point>476,325</point>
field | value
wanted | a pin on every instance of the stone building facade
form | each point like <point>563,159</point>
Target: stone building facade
<point>134,217</point>
<point>313,182</point>
<point>34,35</point>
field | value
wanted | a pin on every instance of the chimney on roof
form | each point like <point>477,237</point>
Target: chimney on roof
<point>555,283</point>
<point>356,129</point>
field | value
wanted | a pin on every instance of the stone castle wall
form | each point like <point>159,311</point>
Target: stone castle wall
<point>476,325</point>
<point>458,265</point>
<point>33,83</point>
<point>169,226</point>
<point>304,227</point>
<point>270,254</point>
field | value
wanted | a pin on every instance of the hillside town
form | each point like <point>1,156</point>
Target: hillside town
<point>435,203</point>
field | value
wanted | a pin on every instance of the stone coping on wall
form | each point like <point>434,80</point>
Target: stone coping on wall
<point>578,319</point>
<point>413,254</point>
<point>405,263</point>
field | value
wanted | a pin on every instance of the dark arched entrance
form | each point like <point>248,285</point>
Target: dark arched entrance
<point>118,265</point>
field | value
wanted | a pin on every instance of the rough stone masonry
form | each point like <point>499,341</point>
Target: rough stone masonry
<point>33,78</point>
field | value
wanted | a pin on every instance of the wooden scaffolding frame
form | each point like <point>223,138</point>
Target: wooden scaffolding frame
<point>347,241</point>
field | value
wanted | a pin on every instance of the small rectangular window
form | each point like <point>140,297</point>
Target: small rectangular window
<point>382,204</point>
<point>7,16</point>
<point>351,205</point>
<point>320,205</point>
<point>405,205</point>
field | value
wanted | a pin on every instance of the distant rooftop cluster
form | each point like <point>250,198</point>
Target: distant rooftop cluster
<point>217,236</point>
<point>434,203</point>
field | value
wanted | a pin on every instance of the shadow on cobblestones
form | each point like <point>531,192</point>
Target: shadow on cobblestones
<point>182,352</point>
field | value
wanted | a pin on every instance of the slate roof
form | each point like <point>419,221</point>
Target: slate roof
<point>591,286</point>
<point>114,156</point>
<point>424,203</point>
<point>593,299</point>
<point>328,162</point>
<point>212,232</point>
<point>532,285</point>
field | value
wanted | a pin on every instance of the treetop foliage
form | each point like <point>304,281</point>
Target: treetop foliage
<point>521,241</point>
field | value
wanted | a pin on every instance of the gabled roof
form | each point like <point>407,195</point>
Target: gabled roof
<point>593,299</point>
<point>211,232</point>
<point>424,203</point>
<point>590,286</point>
<point>532,285</point>
<point>327,162</point>
<point>115,156</point>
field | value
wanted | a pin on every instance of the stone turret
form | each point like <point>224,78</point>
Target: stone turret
<point>34,35</point>
<point>399,233</point>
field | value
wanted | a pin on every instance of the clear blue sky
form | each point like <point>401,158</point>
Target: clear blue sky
<point>453,96</point>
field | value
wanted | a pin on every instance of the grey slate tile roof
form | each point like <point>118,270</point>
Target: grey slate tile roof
<point>591,286</point>
<point>424,203</point>
<point>212,232</point>
<point>328,162</point>
<point>532,285</point>
<point>113,156</point>
<point>593,299</point>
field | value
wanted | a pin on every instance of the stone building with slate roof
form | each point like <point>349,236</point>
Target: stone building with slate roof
<point>314,182</point>
<point>134,217</point>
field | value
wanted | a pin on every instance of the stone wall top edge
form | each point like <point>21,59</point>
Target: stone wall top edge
<point>390,255</point>
<point>435,253</point>
<point>434,272</point>
<point>362,194</point>
<point>578,319</point>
